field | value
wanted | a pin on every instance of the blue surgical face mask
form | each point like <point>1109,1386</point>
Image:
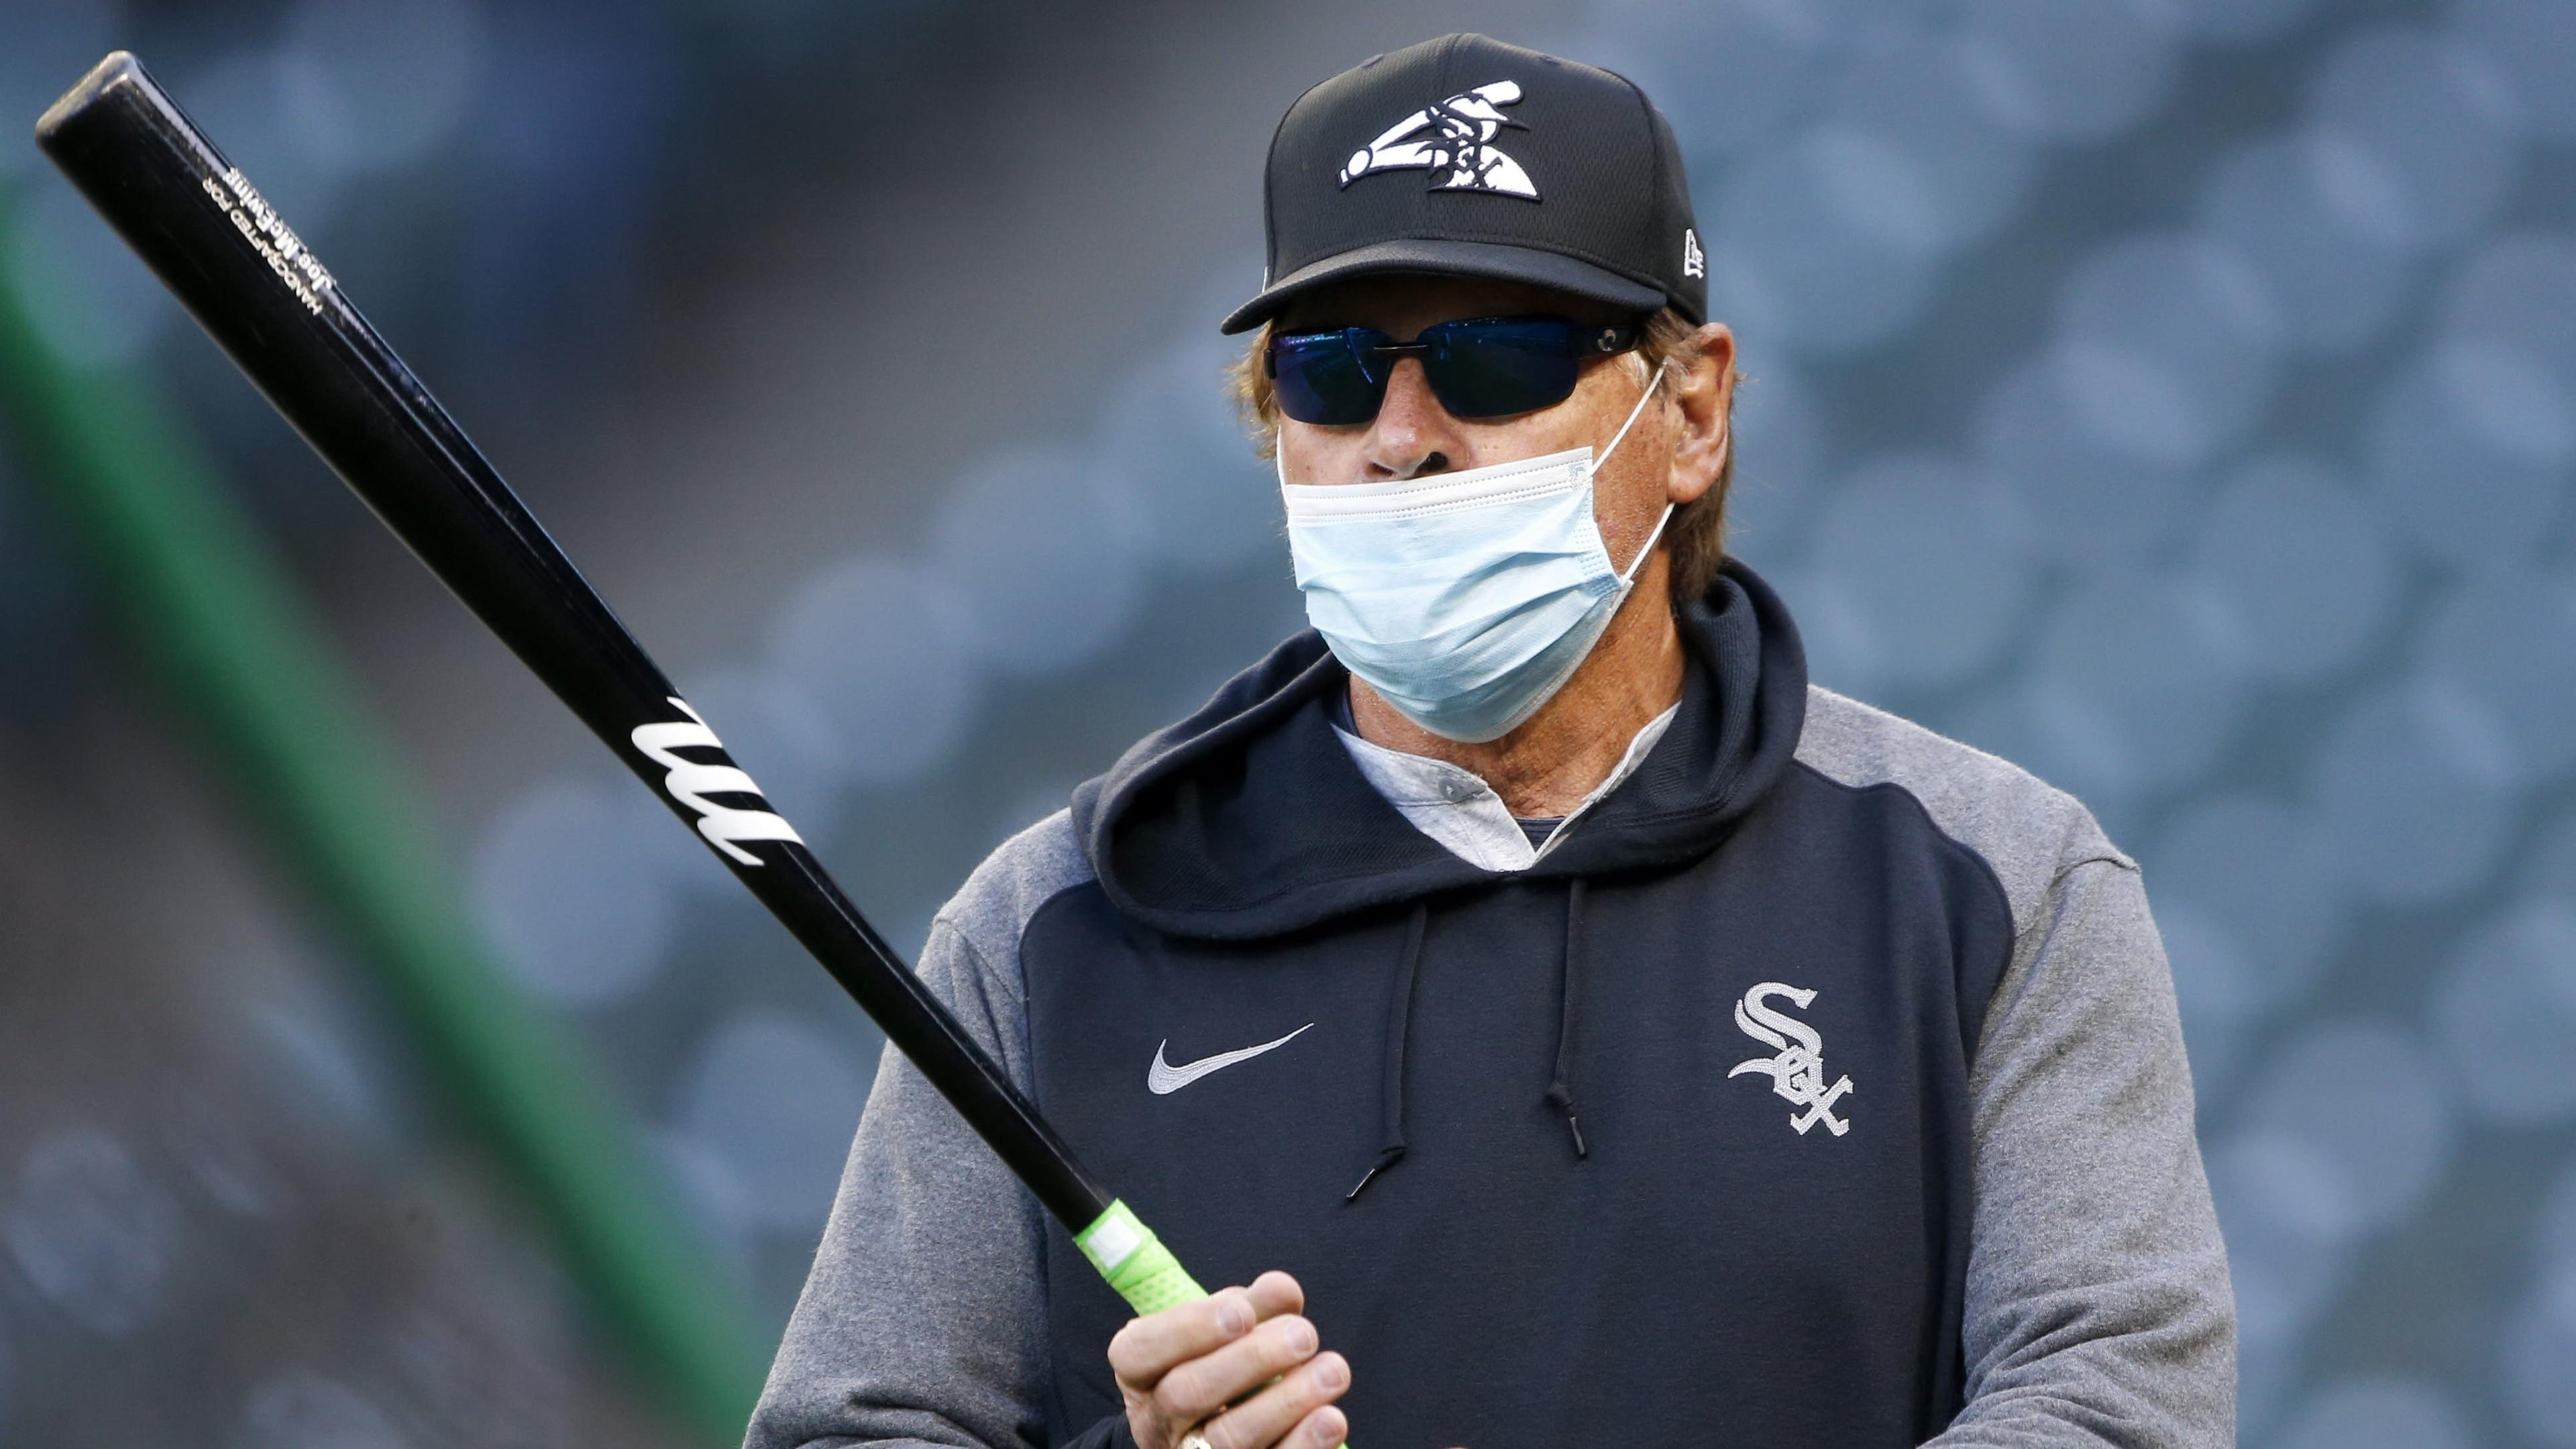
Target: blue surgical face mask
<point>1466,600</point>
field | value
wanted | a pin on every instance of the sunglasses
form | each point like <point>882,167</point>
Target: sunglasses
<point>1479,367</point>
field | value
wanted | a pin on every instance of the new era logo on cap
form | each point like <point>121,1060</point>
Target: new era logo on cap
<point>1454,139</point>
<point>1493,125</point>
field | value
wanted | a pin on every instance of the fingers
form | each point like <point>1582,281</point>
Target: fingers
<point>1294,1413</point>
<point>1184,1365</point>
<point>1274,1293</point>
<point>1202,1386</point>
<point>1149,1347</point>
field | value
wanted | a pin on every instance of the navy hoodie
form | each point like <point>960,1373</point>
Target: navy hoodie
<point>1680,1136</point>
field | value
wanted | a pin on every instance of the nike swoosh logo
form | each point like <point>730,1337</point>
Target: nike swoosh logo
<point>1163,1078</point>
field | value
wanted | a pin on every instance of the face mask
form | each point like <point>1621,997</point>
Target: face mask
<point>1464,599</point>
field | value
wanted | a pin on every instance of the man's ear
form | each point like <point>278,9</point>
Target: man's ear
<point>1704,391</point>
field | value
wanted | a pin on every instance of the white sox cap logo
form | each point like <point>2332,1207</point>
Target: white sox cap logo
<point>1798,1072</point>
<point>1459,146</point>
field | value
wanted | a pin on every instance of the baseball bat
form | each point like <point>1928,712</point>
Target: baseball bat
<point>201,227</point>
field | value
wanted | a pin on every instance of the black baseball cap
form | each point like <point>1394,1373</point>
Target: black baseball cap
<point>1469,157</point>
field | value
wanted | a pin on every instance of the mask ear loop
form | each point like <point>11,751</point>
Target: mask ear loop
<point>1634,413</point>
<point>1629,577</point>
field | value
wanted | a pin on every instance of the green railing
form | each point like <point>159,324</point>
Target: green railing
<point>209,606</point>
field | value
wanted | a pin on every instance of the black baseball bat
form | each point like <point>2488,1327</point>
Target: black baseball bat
<point>273,307</point>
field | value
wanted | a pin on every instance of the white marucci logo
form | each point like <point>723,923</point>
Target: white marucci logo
<point>1798,1072</point>
<point>691,783</point>
<point>1458,146</point>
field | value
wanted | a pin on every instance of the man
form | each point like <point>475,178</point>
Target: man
<point>1614,1039</point>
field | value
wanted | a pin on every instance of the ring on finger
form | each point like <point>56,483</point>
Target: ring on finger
<point>1196,1439</point>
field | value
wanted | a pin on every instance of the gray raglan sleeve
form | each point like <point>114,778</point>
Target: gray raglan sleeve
<point>2099,1311</point>
<point>924,1319</point>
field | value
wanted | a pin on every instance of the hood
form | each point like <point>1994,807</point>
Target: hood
<point>1248,819</point>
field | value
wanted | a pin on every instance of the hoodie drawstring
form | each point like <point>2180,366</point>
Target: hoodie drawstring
<point>1399,1033</point>
<point>1560,1091</point>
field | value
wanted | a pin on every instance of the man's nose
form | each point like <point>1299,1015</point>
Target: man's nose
<point>1413,434</point>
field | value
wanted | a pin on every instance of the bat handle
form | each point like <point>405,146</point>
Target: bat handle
<point>1137,1264</point>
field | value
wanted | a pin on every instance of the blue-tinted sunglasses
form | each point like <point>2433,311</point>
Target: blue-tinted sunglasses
<point>1479,367</point>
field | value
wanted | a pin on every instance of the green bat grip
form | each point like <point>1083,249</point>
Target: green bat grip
<point>1137,1264</point>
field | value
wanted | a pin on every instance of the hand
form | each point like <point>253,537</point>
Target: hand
<point>1180,1368</point>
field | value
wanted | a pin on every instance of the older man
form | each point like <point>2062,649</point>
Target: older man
<point>1614,1039</point>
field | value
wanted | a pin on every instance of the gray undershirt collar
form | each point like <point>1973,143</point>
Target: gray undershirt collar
<point>1455,806</point>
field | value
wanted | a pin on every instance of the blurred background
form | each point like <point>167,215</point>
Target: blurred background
<point>2177,397</point>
